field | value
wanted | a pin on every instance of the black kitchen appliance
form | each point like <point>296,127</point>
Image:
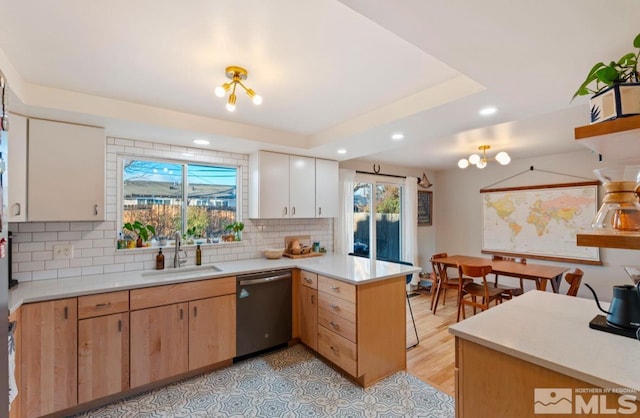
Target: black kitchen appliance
<point>623,316</point>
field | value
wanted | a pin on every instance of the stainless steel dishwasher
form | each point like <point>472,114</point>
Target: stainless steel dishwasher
<point>263,311</point>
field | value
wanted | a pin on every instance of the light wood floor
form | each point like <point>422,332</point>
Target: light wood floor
<point>433,359</point>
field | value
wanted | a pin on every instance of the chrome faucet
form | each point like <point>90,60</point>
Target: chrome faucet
<point>177,260</point>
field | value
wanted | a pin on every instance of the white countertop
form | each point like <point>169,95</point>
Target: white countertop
<point>355,270</point>
<point>552,331</point>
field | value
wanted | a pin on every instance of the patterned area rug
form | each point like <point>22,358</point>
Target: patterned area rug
<point>286,383</point>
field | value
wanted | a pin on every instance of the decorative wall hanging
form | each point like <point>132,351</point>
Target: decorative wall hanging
<point>425,208</point>
<point>540,221</point>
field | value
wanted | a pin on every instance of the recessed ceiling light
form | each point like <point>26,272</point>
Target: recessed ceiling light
<point>201,141</point>
<point>342,151</point>
<point>487,111</point>
<point>397,136</point>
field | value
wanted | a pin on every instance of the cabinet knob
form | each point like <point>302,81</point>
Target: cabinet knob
<point>285,211</point>
<point>95,208</point>
<point>334,307</point>
<point>319,211</point>
<point>308,280</point>
<point>334,288</point>
<point>334,325</point>
<point>293,210</point>
<point>335,349</point>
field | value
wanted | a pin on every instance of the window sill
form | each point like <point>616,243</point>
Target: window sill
<point>203,245</point>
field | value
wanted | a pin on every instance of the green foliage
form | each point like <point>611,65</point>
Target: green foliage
<point>236,227</point>
<point>140,229</point>
<point>625,70</point>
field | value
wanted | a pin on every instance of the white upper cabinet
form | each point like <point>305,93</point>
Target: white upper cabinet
<point>66,172</point>
<point>302,198</point>
<point>326,189</point>
<point>17,169</point>
<point>284,186</point>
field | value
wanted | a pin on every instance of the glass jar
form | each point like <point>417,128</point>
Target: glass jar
<point>620,208</point>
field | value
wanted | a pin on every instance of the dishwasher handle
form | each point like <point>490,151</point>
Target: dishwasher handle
<point>265,279</point>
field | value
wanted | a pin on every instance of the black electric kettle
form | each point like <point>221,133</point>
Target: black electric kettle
<point>624,311</point>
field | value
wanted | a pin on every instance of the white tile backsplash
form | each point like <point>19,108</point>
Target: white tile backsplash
<point>94,243</point>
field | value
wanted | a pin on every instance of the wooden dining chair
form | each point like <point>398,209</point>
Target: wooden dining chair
<point>469,293</point>
<point>574,279</point>
<point>443,281</point>
<point>510,291</point>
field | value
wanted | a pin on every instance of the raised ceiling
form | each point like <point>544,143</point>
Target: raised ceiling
<point>333,74</point>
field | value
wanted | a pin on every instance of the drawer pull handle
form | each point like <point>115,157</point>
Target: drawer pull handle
<point>17,205</point>
<point>285,211</point>
<point>119,325</point>
<point>103,305</point>
<point>95,209</point>
<point>195,311</point>
<point>313,299</point>
<point>308,280</point>
<point>334,307</point>
<point>335,349</point>
<point>334,287</point>
<point>181,312</point>
<point>66,312</point>
<point>334,325</point>
<point>293,210</point>
<point>319,211</point>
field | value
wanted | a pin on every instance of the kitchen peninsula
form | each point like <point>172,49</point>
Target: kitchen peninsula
<point>542,341</point>
<point>150,304</point>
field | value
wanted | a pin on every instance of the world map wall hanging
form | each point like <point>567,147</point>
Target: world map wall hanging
<point>540,221</point>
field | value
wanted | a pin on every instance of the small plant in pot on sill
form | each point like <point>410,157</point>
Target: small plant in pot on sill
<point>141,230</point>
<point>236,227</point>
<point>615,87</point>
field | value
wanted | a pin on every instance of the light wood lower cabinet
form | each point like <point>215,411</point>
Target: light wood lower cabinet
<point>212,330</point>
<point>308,313</point>
<point>103,356</point>
<point>362,329</point>
<point>49,357</point>
<point>159,343</point>
<point>491,384</point>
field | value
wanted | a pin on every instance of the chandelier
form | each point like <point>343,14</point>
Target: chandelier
<point>481,162</point>
<point>236,75</point>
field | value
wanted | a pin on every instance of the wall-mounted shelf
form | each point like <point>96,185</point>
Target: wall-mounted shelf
<point>615,139</point>
<point>609,239</point>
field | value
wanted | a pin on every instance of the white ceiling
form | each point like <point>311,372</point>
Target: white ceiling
<point>333,74</point>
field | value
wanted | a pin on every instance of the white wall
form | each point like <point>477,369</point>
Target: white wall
<point>458,212</point>
<point>94,243</point>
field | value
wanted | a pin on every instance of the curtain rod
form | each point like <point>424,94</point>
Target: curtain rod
<point>422,181</point>
<point>382,174</point>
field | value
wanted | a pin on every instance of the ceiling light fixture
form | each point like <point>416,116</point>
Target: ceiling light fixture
<point>201,141</point>
<point>236,75</point>
<point>342,151</point>
<point>481,162</point>
<point>397,136</point>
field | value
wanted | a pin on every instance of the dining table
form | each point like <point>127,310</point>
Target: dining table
<point>539,273</point>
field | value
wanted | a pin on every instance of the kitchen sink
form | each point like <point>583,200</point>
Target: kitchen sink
<point>180,270</point>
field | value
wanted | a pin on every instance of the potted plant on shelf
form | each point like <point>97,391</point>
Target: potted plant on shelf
<point>236,227</point>
<point>615,87</point>
<point>140,230</point>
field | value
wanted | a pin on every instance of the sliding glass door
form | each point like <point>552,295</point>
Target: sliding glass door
<point>377,219</point>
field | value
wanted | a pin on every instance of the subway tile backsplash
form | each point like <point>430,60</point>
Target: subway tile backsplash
<point>94,243</point>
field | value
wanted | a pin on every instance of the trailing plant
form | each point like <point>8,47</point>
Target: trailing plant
<point>625,70</point>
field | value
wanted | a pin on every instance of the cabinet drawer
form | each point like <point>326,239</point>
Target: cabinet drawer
<point>337,306</point>
<point>338,350</point>
<point>181,292</point>
<point>337,288</point>
<point>337,324</point>
<point>309,279</point>
<point>103,304</point>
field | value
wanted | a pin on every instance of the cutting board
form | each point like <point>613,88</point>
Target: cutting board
<point>303,255</point>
